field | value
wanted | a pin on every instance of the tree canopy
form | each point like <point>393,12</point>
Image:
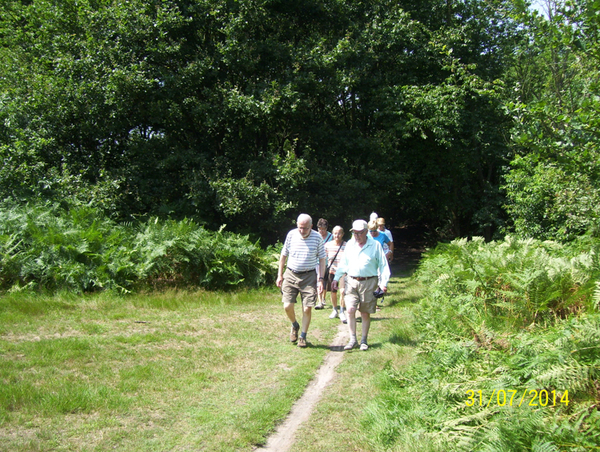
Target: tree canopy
<point>246,113</point>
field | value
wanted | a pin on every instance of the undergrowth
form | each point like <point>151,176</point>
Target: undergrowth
<point>52,248</point>
<point>508,336</point>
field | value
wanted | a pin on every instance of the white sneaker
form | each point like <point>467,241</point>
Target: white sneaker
<point>343,317</point>
<point>333,314</point>
<point>364,347</point>
<point>351,344</point>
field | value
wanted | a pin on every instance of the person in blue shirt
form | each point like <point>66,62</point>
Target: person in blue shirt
<point>382,238</point>
<point>366,268</point>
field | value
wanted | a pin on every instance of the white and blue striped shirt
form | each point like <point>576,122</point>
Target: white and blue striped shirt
<point>303,254</point>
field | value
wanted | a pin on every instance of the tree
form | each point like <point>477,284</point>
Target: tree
<point>553,186</point>
<point>246,113</point>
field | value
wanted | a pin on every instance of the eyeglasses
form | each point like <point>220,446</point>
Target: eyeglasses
<point>359,232</point>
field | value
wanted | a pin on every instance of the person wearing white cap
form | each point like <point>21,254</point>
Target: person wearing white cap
<point>366,268</point>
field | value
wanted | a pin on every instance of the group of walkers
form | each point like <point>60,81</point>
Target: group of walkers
<point>359,269</point>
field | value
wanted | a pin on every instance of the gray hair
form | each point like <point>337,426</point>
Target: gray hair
<point>303,217</point>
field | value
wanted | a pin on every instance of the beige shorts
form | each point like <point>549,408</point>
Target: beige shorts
<point>304,284</point>
<point>359,294</point>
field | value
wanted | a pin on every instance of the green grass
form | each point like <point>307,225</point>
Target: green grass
<point>183,371</point>
<point>169,371</point>
<point>337,421</point>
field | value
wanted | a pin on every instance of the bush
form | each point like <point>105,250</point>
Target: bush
<point>80,249</point>
<point>505,284</point>
<point>514,315</point>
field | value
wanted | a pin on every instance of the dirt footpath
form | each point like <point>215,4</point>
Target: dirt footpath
<point>283,438</point>
<point>407,253</point>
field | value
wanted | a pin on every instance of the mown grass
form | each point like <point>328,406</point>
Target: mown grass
<point>337,422</point>
<point>169,371</point>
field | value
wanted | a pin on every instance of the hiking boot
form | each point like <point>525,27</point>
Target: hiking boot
<point>301,342</point>
<point>333,314</point>
<point>364,347</point>
<point>351,344</point>
<point>294,333</point>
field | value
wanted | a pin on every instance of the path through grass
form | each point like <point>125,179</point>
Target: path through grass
<point>179,371</point>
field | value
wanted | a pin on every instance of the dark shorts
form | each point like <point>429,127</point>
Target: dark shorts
<point>328,283</point>
<point>341,283</point>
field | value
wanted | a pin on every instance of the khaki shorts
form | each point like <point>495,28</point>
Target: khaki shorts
<point>341,283</point>
<point>359,294</point>
<point>304,284</point>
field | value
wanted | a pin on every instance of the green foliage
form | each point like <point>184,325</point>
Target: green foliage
<point>245,113</point>
<point>80,249</point>
<point>183,253</point>
<point>553,186</point>
<point>515,315</point>
<point>506,284</point>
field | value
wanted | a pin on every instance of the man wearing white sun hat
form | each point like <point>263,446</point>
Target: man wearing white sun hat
<point>366,269</point>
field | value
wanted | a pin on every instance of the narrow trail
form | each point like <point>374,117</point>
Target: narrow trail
<point>283,438</point>
<point>408,250</point>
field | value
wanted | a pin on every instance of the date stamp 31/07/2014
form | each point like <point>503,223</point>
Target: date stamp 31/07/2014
<point>517,398</point>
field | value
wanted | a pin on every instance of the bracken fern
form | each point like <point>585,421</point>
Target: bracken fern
<point>515,315</point>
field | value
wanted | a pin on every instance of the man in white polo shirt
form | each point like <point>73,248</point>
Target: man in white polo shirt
<point>302,250</point>
<point>366,268</point>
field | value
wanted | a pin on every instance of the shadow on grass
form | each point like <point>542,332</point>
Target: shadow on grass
<point>402,340</point>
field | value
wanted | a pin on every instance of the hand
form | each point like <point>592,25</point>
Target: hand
<point>321,286</point>
<point>279,280</point>
<point>384,289</point>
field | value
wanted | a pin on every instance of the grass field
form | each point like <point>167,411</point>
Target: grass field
<point>179,371</point>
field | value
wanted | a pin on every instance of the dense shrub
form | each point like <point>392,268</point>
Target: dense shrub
<point>514,315</point>
<point>79,249</point>
<point>506,284</point>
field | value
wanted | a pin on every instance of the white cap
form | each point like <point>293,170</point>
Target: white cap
<point>373,216</point>
<point>358,226</point>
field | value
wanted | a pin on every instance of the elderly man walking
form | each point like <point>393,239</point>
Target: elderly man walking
<point>366,268</point>
<point>302,250</point>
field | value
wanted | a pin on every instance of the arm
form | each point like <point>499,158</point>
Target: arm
<point>384,271</point>
<point>282,261</point>
<point>340,271</point>
<point>322,268</point>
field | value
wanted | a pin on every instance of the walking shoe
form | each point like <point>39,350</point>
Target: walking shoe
<point>294,333</point>
<point>320,306</point>
<point>364,347</point>
<point>351,344</point>
<point>333,314</point>
<point>301,342</point>
<point>343,317</point>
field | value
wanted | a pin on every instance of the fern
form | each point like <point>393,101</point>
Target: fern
<point>513,314</point>
<point>79,249</point>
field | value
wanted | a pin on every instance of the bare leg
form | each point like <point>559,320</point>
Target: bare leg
<point>351,322</point>
<point>306,316</point>
<point>366,324</point>
<point>289,310</point>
